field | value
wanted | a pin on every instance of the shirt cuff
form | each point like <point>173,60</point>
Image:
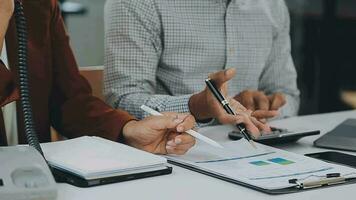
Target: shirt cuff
<point>175,104</point>
<point>165,103</point>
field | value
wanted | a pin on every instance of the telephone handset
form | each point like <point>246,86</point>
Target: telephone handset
<point>24,172</point>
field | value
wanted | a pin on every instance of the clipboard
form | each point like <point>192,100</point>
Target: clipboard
<point>268,170</point>
<point>302,186</point>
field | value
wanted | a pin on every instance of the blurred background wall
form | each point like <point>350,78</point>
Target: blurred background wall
<point>84,20</point>
<point>323,34</point>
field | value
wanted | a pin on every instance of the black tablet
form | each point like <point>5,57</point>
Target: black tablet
<point>278,136</point>
<point>342,137</point>
<point>335,157</point>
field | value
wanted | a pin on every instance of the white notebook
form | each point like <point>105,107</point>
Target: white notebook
<point>94,157</point>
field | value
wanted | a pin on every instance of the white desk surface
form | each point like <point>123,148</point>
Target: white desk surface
<point>183,184</point>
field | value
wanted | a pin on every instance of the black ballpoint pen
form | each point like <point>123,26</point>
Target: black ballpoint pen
<point>228,109</point>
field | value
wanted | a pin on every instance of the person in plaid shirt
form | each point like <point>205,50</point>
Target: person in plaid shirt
<point>159,52</point>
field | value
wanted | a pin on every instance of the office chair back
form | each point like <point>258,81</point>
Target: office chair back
<point>94,75</point>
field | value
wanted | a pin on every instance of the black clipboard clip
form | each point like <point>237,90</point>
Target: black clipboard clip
<point>329,179</point>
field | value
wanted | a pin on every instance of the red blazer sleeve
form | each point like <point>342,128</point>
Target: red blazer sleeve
<point>74,111</point>
<point>8,91</point>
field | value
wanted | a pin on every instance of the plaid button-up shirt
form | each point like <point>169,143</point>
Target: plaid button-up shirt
<point>159,52</point>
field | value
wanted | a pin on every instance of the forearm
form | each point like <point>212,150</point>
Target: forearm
<point>162,103</point>
<point>74,110</point>
<point>87,115</point>
<point>133,48</point>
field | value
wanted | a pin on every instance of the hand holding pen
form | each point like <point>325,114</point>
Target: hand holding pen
<point>213,109</point>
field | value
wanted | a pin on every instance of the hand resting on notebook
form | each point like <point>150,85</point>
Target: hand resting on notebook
<point>161,134</point>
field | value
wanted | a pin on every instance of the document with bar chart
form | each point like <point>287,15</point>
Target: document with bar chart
<point>265,168</point>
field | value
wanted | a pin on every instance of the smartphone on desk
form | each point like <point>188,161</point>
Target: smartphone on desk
<point>277,136</point>
<point>335,157</point>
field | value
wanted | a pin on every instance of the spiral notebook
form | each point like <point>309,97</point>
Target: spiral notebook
<point>266,169</point>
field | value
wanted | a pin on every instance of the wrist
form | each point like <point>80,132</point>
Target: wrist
<point>198,107</point>
<point>128,131</point>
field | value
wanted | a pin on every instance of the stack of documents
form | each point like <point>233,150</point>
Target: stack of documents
<point>95,158</point>
<point>265,168</point>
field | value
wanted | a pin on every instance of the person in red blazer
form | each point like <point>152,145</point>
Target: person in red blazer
<point>62,98</point>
